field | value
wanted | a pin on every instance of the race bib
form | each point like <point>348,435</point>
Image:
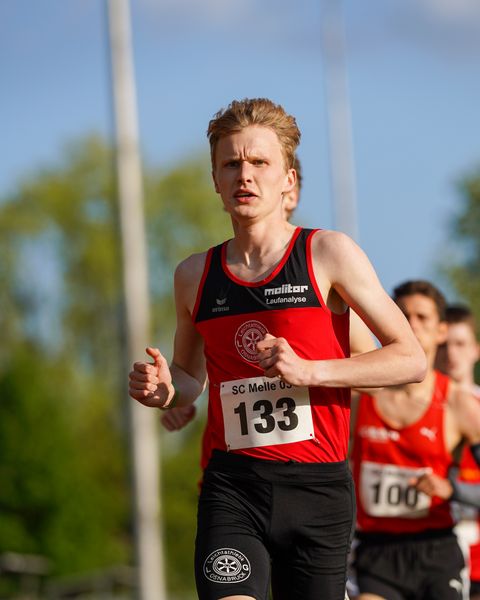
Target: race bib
<point>385,491</point>
<point>265,412</point>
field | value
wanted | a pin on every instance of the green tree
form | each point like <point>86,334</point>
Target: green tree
<point>65,213</point>
<point>184,216</point>
<point>61,378</point>
<point>463,272</point>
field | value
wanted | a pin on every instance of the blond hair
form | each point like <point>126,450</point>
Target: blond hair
<point>255,111</point>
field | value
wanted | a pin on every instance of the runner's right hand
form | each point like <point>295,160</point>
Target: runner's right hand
<point>151,383</point>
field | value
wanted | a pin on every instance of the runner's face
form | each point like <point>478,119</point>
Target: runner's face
<point>422,314</point>
<point>462,351</point>
<point>250,173</point>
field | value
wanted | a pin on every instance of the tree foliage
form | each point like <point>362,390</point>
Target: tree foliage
<point>62,465</point>
<point>184,216</point>
<point>64,490</point>
<point>465,273</point>
<point>67,214</point>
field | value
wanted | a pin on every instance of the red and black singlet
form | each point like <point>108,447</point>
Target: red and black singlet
<point>248,413</point>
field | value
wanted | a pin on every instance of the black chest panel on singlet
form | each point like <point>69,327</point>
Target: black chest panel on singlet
<point>290,288</point>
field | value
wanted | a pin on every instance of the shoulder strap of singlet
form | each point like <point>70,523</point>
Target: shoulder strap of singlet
<point>299,247</point>
<point>206,268</point>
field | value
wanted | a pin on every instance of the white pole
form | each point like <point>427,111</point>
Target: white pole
<point>142,421</point>
<point>339,118</point>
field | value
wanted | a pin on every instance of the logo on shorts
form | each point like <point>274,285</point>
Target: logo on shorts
<point>247,337</point>
<point>226,565</point>
<point>456,585</point>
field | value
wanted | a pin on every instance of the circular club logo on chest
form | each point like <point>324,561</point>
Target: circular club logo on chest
<point>247,337</point>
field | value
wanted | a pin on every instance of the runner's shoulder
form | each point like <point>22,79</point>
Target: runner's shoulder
<point>188,275</point>
<point>189,272</point>
<point>465,409</point>
<point>333,250</point>
<point>328,240</point>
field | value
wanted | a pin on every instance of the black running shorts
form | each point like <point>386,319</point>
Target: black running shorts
<point>291,521</point>
<point>425,566</point>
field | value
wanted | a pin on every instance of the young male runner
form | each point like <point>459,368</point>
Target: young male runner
<point>265,317</point>
<point>460,353</point>
<point>360,338</point>
<point>179,416</point>
<point>403,444</point>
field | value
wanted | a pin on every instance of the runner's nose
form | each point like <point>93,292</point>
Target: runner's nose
<point>245,172</point>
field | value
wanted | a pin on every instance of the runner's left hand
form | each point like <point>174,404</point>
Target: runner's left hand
<point>433,485</point>
<point>277,359</point>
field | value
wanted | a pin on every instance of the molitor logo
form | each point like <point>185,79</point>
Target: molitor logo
<point>226,565</point>
<point>284,294</point>
<point>247,337</point>
<point>286,288</point>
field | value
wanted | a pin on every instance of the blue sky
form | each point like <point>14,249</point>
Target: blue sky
<point>414,81</point>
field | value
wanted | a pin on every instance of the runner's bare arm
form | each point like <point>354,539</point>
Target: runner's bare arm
<point>361,341</point>
<point>157,384</point>
<point>177,417</point>
<point>462,423</point>
<point>465,417</point>
<point>361,338</point>
<point>188,364</point>
<point>344,274</point>
<point>466,412</point>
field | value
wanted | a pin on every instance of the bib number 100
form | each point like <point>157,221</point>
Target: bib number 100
<point>386,491</point>
<point>284,418</point>
<point>395,494</point>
